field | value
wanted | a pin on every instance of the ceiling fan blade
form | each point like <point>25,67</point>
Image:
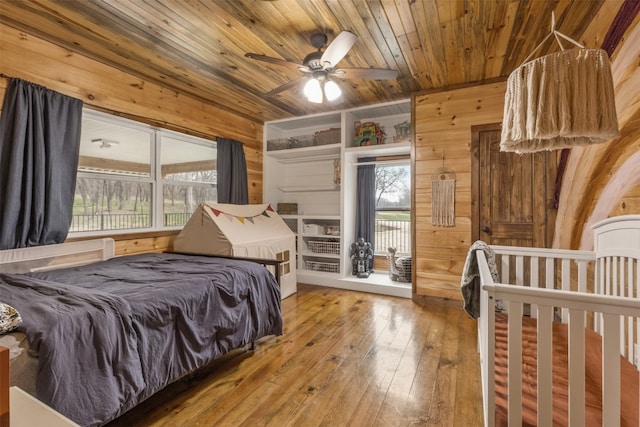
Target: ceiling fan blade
<point>365,73</point>
<point>277,61</point>
<point>286,86</point>
<point>337,49</point>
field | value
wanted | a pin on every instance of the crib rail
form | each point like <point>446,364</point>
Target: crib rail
<point>556,281</point>
<point>547,268</point>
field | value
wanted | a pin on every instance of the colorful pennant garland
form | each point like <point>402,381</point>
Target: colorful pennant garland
<point>240,218</point>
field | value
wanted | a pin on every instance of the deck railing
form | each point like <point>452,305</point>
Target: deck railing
<point>122,221</point>
<point>396,233</point>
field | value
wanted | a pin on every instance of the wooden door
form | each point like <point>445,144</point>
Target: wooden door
<point>512,194</point>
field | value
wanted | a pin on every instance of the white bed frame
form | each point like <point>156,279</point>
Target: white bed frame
<point>593,289</point>
<point>50,257</point>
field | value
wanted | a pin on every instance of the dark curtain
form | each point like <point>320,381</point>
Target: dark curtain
<point>366,202</point>
<point>39,145</point>
<point>232,172</point>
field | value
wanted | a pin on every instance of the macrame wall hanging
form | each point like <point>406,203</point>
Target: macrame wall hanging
<point>443,191</point>
<point>561,100</point>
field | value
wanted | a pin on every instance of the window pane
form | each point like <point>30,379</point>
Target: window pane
<point>393,187</point>
<point>187,161</point>
<point>180,201</point>
<point>111,148</point>
<point>107,204</point>
<point>393,209</point>
<point>393,229</point>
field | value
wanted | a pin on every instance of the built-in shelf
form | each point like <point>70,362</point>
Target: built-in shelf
<point>313,254</point>
<point>306,154</point>
<point>381,150</point>
<point>305,175</point>
<point>308,188</point>
<point>323,236</point>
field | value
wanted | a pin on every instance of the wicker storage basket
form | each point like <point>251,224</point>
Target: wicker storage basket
<point>325,267</point>
<point>324,247</point>
<point>278,144</point>
<point>329,136</point>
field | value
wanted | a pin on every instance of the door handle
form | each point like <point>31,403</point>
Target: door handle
<point>486,229</point>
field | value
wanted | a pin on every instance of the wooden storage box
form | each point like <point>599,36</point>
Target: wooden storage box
<point>288,208</point>
<point>329,136</point>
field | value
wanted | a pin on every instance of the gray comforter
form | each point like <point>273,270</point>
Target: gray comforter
<point>109,335</point>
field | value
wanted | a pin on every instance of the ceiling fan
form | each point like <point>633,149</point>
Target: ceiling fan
<point>319,68</point>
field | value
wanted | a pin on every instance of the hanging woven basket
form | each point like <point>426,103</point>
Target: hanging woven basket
<point>561,100</point>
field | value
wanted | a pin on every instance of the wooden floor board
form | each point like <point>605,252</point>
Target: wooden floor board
<point>345,359</point>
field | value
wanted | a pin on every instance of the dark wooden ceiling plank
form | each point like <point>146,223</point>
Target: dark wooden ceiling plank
<point>97,37</point>
<point>197,48</point>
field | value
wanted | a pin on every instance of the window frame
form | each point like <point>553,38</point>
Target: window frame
<point>155,178</point>
<point>395,163</point>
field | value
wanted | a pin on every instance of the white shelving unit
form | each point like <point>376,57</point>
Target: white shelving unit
<point>321,179</point>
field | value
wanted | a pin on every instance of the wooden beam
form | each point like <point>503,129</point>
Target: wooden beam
<point>110,164</point>
<point>202,165</point>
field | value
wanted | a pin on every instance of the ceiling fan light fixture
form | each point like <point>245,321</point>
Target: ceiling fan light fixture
<point>332,90</point>
<point>313,91</point>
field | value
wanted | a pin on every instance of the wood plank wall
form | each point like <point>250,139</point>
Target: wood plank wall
<point>107,89</point>
<point>443,124</point>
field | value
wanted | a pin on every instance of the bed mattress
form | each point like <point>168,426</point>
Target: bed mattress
<point>109,335</point>
<point>593,376</point>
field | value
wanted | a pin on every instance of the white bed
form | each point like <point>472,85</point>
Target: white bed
<point>592,297</point>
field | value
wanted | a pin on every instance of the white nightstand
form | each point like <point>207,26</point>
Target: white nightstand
<point>27,411</point>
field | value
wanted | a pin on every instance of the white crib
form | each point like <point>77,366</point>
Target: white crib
<point>596,291</point>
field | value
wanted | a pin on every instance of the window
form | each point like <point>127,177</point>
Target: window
<point>393,207</point>
<point>133,176</point>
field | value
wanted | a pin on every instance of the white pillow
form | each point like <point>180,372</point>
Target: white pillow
<point>9,318</point>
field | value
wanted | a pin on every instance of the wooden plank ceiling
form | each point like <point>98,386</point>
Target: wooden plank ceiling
<point>198,47</point>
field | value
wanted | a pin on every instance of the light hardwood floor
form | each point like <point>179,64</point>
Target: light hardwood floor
<point>345,359</point>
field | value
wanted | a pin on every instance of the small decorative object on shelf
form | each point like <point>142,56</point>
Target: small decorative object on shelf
<point>336,171</point>
<point>361,258</point>
<point>288,208</point>
<point>399,267</point>
<point>403,132</point>
<point>314,229</point>
<point>368,133</point>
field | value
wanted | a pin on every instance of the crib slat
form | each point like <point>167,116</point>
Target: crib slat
<point>488,335</point>
<point>611,370</point>
<point>565,283</point>
<point>576,367</point>
<point>504,269</point>
<point>534,282</point>
<point>614,276</point>
<point>582,276</point>
<point>582,280</point>
<point>519,270</point>
<point>599,290</point>
<point>550,278</point>
<point>607,276</point>
<point>514,354</point>
<point>545,382</point>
